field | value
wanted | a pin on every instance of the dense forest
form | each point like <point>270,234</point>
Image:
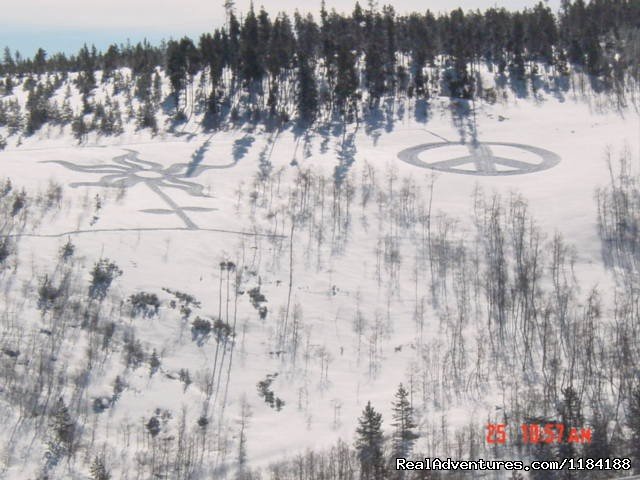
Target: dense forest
<point>275,69</point>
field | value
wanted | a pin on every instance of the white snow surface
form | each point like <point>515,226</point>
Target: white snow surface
<point>156,250</point>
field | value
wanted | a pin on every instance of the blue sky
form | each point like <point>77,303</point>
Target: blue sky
<point>65,25</point>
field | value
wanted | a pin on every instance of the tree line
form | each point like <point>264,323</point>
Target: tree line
<point>298,64</point>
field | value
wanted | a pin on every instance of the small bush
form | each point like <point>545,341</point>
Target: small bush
<point>490,95</point>
<point>203,422</point>
<point>5,249</point>
<point>185,302</point>
<point>133,353</point>
<point>103,273</point>
<point>100,404</point>
<point>53,195</point>
<point>19,201</point>
<point>264,390</point>
<point>185,377</point>
<point>256,297</point>
<point>67,250</point>
<point>200,330</point>
<point>154,363</point>
<point>108,330</point>
<point>47,295</point>
<point>145,304</point>
<point>153,426</point>
<point>222,330</point>
<point>99,470</point>
<point>6,188</point>
<point>118,387</point>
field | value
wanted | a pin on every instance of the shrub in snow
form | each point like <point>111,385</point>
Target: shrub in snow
<point>67,250</point>
<point>153,426</point>
<point>62,433</point>
<point>100,404</point>
<point>98,470</point>
<point>200,330</point>
<point>133,353</point>
<point>118,387</point>
<point>19,202</point>
<point>5,249</point>
<point>103,273</point>
<point>154,363</point>
<point>145,304</point>
<point>47,295</point>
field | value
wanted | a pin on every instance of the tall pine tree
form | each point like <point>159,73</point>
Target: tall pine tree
<point>404,435</point>
<point>369,444</point>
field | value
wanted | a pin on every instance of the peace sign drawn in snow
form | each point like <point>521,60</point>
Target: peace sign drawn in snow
<point>480,159</point>
<point>129,170</point>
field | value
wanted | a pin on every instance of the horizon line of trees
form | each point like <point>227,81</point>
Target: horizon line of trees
<point>332,64</point>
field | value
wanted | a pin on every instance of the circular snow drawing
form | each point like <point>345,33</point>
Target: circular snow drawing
<point>480,158</point>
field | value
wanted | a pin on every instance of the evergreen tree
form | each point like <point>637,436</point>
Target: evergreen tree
<point>212,49</point>
<point>347,77</point>
<point>571,417</point>
<point>40,61</point>
<point>572,23</point>
<point>79,127</point>
<point>517,47</point>
<point>404,435</point>
<point>8,85</point>
<point>542,451</point>
<point>279,56</point>
<point>542,33</point>
<point>109,62</point>
<point>374,57</point>
<point>86,80</point>
<point>62,430</point>
<point>146,116</point>
<point>154,363</point>
<point>157,88</point>
<point>600,446</point>
<point>252,69</point>
<point>37,110</point>
<point>370,444</point>
<point>307,98</point>
<point>233,44</point>
<point>459,82</point>
<point>14,116</point>
<point>98,470</point>
<point>593,50</point>
<point>8,65</point>
<point>633,422</point>
<point>182,63</point>
<point>308,38</point>
<point>390,48</point>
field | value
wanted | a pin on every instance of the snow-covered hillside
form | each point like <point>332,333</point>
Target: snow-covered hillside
<point>293,276</point>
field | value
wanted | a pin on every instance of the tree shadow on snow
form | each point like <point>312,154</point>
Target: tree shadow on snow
<point>463,119</point>
<point>422,111</point>
<point>241,147</point>
<point>198,156</point>
<point>346,153</point>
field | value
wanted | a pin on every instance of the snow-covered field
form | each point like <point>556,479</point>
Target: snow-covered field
<point>169,210</point>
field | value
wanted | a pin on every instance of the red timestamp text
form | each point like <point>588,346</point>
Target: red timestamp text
<point>533,433</point>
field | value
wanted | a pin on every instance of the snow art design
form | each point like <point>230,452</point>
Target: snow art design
<point>129,170</point>
<point>480,159</point>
